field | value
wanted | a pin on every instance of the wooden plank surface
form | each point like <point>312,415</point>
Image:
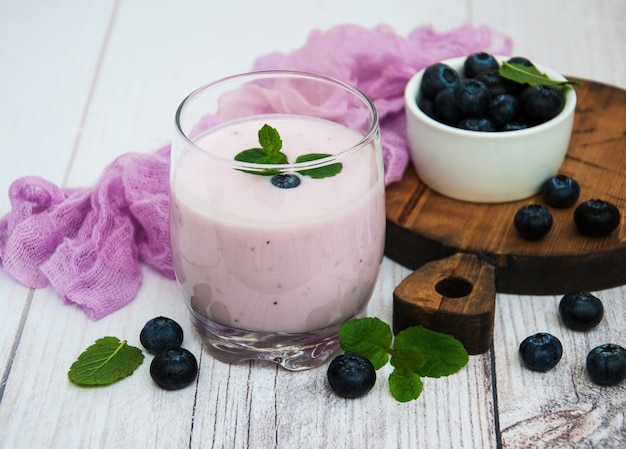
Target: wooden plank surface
<point>83,81</point>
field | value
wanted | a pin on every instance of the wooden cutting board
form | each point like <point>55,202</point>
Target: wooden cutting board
<point>424,227</point>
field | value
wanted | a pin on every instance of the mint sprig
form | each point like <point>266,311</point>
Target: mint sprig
<point>269,153</point>
<point>105,362</point>
<point>415,352</point>
<point>530,75</point>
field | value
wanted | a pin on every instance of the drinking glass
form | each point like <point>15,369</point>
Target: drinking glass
<point>273,255</point>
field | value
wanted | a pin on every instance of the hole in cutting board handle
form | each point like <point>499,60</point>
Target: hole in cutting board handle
<point>454,287</point>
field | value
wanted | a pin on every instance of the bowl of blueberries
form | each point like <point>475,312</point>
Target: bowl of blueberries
<point>488,129</point>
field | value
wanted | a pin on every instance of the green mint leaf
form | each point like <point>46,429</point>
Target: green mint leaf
<point>320,172</point>
<point>530,75</point>
<point>105,362</point>
<point>409,358</point>
<point>252,155</point>
<point>405,385</point>
<point>270,139</point>
<point>368,337</point>
<point>443,354</point>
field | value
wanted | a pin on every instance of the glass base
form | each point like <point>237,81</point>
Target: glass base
<point>294,352</point>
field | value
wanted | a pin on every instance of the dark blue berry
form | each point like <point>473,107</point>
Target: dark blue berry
<point>560,191</point>
<point>520,60</point>
<point>472,97</point>
<point>581,310</point>
<point>515,125</point>
<point>174,368</point>
<point>437,77</point>
<point>496,84</point>
<point>446,109</point>
<point>286,181</point>
<point>428,107</point>
<point>606,364</point>
<point>161,333</point>
<point>477,124</point>
<point>351,376</point>
<point>541,351</point>
<point>596,218</point>
<point>540,103</point>
<point>502,109</point>
<point>533,221</point>
<point>479,62</point>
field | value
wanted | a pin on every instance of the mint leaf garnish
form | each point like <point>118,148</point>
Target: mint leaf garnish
<point>320,172</point>
<point>269,153</point>
<point>367,337</point>
<point>417,352</point>
<point>105,362</point>
<point>530,75</point>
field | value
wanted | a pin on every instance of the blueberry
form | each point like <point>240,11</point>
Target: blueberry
<point>477,124</point>
<point>286,181</point>
<point>496,84</point>
<point>479,62</point>
<point>515,125</point>
<point>541,103</point>
<point>581,310</point>
<point>606,364</point>
<point>520,60</point>
<point>428,107</point>
<point>596,218</point>
<point>436,77</point>
<point>351,376</point>
<point>560,191</point>
<point>446,109</point>
<point>502,109</point>
<point>541,351</point>
<point>472,97</point>
<point>174,368</point>
<point>533,221</point>
<point>161,333</point>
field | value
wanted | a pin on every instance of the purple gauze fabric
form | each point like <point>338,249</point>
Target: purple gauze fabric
<point>88,243</point>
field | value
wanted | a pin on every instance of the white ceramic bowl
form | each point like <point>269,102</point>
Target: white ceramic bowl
<point>486,167</point>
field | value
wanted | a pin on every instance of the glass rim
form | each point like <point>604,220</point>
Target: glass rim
<point>374,127</point>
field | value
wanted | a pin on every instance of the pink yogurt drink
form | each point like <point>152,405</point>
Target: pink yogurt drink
<point>266,269</point>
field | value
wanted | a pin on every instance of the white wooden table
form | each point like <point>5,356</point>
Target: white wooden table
<point>83,81</point>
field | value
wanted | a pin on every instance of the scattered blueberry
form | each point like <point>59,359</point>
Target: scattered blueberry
<point>285,181</point>
<point>596,218</point>
<point>479,62</point>
<point>161,333</point>
<point>174,368</point>
<point>472,97</point>
<point>351,376</point>
<point>540,103</point>
<point>560,191</point>
<point>581,310</point>
<point>437,77</point>
<point>541,351</point>
<point>533,221</point>
<point>606,364</point>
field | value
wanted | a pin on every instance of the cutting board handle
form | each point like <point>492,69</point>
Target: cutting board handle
<point>455,295</point>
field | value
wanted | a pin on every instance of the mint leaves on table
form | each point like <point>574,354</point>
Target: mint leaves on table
<point>269,153</point>
<point>523,74</point>
<point>417,352</point>
<point>105,362</point>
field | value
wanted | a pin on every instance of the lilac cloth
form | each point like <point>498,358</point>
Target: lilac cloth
<point>88,243</point>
